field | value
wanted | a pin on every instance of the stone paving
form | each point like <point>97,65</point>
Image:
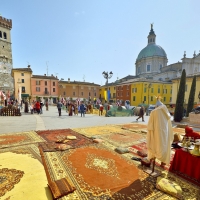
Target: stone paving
<point>51,120</point>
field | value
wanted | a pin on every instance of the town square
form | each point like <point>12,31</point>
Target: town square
<point>92,107</point>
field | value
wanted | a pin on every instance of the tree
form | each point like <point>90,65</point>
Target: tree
<point>178,113</point>
<point>191,97</point>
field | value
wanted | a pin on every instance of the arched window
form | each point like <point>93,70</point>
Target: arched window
<point>148,68</point>
<point>150,40</point>
<point>5,35</point>
<point>160,66</point>
<point>153,40</point>
<point>0,34</point>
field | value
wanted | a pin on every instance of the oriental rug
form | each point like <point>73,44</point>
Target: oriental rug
<point>97,173</point>
<point>51,136</point>
<point>22,174</point>
<point>124,138</point>
<point>16,139</point>
<point>142,147</point>
<point>97,130</point>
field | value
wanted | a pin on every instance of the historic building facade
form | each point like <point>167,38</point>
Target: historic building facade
<point>22,82</point>
<point>151,59</point>
<point>44,87</point>
<point>6,63</point>
<point>78,90</point>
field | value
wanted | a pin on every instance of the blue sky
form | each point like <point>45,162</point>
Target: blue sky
<point>79,39</point>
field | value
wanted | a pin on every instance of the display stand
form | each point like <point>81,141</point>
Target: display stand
<point>153,172</point>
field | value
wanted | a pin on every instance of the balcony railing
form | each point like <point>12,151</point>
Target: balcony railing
<point>23,91</point>
<point>46,92</point>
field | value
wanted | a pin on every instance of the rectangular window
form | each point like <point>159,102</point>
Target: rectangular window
<point>145,98</point>
<point>164,99</point>
<point>22,80</point>
<point>74,93</point>
<point>23,90</point>
<point>45,82</point>
<point>151,98</point>
<point>151,90</point>
<point>54,84</point>
<point>45,91</point>
<point>81,93</point>
<point>113,95</point>
<point>37,89</point>
<point>95,94</point>
<point>37,82</point>
<point>158,90</point>
<point>170,99</point>
<point>22,74</point>
<point>54,89</point>
<point>64,93</point>
<point>148,68</point>
<point>171,91</point>
<point>165,91</point>
<point>145,89</point>
<point>134,98</point>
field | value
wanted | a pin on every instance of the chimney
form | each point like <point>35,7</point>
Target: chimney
<point>68,80</point>
<point>51,74</point>
<point>29,66</point>
<point>45,74</point>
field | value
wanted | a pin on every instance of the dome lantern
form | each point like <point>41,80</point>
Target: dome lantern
<point>152,36</point>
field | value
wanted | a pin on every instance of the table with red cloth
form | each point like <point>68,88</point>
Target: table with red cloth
<point>186,165</point>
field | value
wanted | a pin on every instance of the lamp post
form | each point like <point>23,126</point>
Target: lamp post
<point>199,96</point>
<point>107,76</point>
<point>149,86</point>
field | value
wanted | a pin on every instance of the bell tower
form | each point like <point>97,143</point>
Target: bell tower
<point>6,63</point>
<point>152,36</point>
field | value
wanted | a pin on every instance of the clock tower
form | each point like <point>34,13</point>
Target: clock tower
<point>6,63</point>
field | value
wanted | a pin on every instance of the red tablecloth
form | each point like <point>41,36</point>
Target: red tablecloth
<point>186,164</point>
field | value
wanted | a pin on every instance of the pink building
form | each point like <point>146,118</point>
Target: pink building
<point>44,86</point>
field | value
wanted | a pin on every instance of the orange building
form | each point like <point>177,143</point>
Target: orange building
<point>44,86</point>
<point>77,89</point>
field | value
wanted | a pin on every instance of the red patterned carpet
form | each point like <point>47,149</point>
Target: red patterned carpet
<point>51,136</point>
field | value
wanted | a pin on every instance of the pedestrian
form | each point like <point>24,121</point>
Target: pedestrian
<point>47,105</point>
<point>59,106</point>
<point>141,114</point>
<point>41,105</point>
<point>100,110</point>
<point>82,109</point>
<point>37,107</point>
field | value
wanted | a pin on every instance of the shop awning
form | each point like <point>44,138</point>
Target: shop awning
<point>24,95</point>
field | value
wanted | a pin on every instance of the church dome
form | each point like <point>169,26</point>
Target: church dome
<point>152,50</point>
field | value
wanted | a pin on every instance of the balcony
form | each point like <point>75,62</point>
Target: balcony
<point>23,91</point>
<point>46,92</point>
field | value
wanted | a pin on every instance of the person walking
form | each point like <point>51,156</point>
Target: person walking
<point>141,114</point>
<point>37,107</point>
<point>59,106</point>
<point>47,105</point>
<point>82,109</point>
<point>100,109</point>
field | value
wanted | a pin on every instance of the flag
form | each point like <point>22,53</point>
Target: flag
<point>105,96</point>
<point>108,95</point>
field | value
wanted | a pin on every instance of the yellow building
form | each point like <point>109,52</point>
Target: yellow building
<point>22,82</point>
<point>144,91</point>
<point>175,87</point>
<point>103,91</point>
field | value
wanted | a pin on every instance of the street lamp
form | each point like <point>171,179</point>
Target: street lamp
<point>199,96</point>
<point>149,86</point>
<point>107,75</point>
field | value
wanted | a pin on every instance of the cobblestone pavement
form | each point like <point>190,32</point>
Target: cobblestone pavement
<point>51,120</point>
